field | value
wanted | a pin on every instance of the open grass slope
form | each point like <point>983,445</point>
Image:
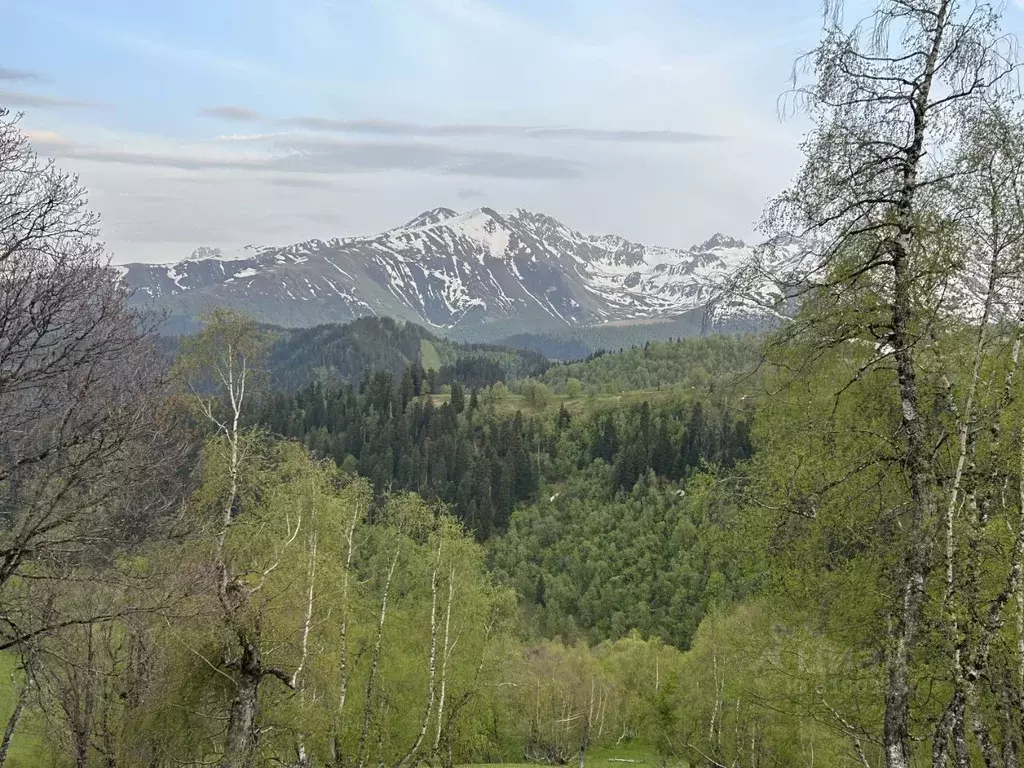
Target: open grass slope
<point>28,748</point>
<point>430,359</point>
<point>626,756</point>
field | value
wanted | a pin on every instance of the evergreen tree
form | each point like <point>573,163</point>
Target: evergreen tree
<point>564,418</point>
<point>458,398</point>
<point>408,388</point>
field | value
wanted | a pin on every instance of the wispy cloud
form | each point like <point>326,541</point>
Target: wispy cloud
<point>46,138</point>
<point>392,128</point>
<point>466,193</point>
<point>6,73</point>
<point>297,182</point>
<point>229,112</point>
<point>150,159</point>
<point>248,137</point>
<point>148,230</point>
<point>311,155</point>
<point>23,99</point>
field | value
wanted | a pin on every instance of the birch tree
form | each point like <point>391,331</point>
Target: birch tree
<point>978,400</point>
<point>428,601</point>
<point>221,367</point>
<point>897,272</point>
<point>406,620</point>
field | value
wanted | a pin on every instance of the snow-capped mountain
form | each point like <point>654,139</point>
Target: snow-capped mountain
<point>523,270</point>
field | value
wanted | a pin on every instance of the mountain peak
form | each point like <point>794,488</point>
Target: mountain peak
<point>204,252</point>
<point>427,218</point>
<point>485,227</point>
<point>536,219</point>
<point>718,240</point>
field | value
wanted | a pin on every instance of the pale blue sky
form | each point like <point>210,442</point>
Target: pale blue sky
<point>226,122</point>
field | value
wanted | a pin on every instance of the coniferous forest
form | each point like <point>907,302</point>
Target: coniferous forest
<point>369,545</point>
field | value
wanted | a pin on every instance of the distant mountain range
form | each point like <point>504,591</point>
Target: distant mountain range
<point>475,273</point>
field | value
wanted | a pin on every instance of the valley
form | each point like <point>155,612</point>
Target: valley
<point>483,488</point>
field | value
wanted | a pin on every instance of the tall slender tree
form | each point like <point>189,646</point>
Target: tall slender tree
<point>889,262</point>
<point>221,367</point>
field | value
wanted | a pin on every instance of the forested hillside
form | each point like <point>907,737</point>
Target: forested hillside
<point>576,343</point>
<point>481,459</point>
<point>345,352</point>
<point>697,363</point>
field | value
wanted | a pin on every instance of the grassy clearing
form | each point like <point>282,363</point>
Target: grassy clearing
<point>27,747</point>
<point>631,756</point>
<point>430,359</point>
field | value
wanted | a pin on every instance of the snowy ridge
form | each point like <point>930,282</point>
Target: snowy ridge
<point>445,269</point>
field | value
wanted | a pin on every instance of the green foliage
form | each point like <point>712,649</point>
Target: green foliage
<point>28,747</point>
<point>761,692</point>
<point>819,521</point>
<point>484,461</point>
<point>695,363</point>
<point>316,608</point>
<point>817,525</point>
<point>457,398</point>
<point>229,352</point>
<point>345,353</point>
<point>536,393</point>
<point>560,696</point>
<point>596,565</point>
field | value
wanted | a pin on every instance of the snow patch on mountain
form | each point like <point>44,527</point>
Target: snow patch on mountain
<point>433,216</point>
<point>203,253</point>
<point>444,268</point>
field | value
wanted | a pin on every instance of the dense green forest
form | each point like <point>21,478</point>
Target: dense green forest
<point>345,352</point>
<point>361,545</point>
<point>481,458</point>
<point>571,473</point>
<point>697,363</point>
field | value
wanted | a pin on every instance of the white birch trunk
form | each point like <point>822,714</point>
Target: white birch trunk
<point>301,759</point>
<point>14,719</point>
<point>444,659</point>
<point>431,661</point>
<point>375,660</point>
<point>343,665</point>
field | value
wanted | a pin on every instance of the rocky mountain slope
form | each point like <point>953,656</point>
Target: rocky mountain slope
<point>521,271</point>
